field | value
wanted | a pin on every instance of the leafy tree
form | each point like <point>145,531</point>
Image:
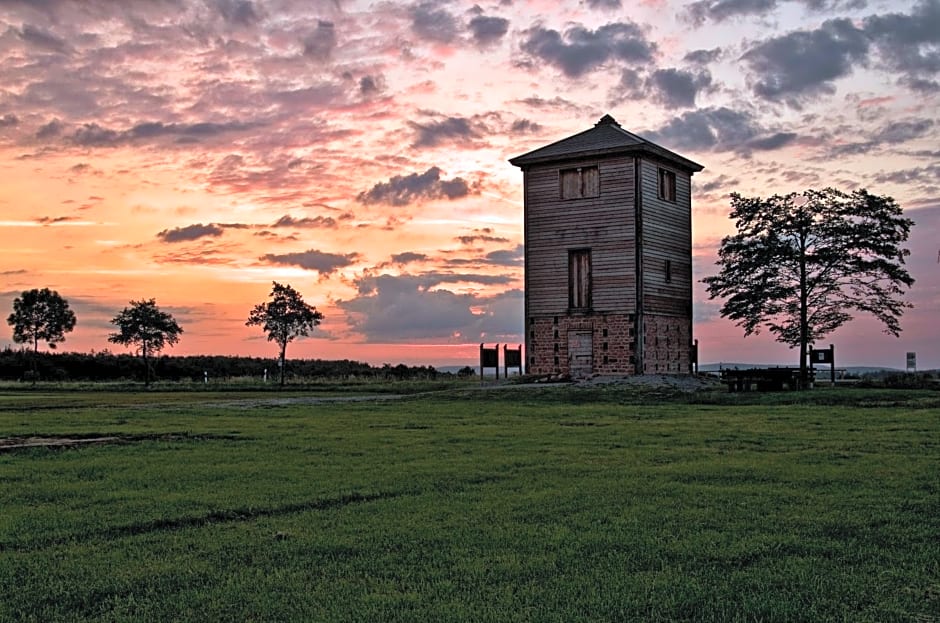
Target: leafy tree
<point>40,316</point>
<point>285,317</point>
<point>145,326</point>
<point>801,263</point>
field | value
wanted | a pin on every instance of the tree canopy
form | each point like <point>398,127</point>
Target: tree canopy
<point>41,316</point>
<point>285,317</point>
<point>801,264</point>
<point>148,328</point>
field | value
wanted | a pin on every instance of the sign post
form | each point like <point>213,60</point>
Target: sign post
<point>912,362</point>
<point>825,355</point>
<point>512,358</point>
<point>489,358</point>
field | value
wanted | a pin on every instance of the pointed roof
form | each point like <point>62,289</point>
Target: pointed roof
<point>606,137</point>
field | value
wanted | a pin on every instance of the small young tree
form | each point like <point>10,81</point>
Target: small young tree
<point>285,317</point>
<point>40,316</point>
<point>143,325</point>
<point>800,263</point>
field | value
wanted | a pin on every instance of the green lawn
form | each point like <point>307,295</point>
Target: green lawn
<point>511,505</point>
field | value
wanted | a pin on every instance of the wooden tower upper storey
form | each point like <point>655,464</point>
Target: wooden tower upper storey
<point>608,254</point>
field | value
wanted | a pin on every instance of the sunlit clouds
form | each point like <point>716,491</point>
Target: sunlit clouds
<point>195,151</point>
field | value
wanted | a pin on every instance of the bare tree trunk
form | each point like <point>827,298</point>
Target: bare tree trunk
<point>283,356</point>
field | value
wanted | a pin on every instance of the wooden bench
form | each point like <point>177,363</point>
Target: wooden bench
<point>761,379</point>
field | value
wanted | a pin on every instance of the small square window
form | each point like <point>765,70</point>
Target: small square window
<point>579,183</point>
<point>667,185</point>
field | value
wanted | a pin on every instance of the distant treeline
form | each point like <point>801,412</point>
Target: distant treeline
<point>17,365</point>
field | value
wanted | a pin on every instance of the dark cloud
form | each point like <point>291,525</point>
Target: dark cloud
<point>909,43</point>
<point>434,133</point>
<point>240,12</point>
<point>580,50</point>
<point>433,23</point>
<point>556,103</point>
<point>95,135</point>
<point>718,129</point>
<point>404,189</point>
<point>603,4</point>
<point>190,132</point>
<point>702,57</point>
<point>190,232</point>
<point>719,10</point>
<point>892,133</point>
<point>507,257</point>
<point>525,126</point>
<point>488,30</point>
<point>677,88</point>
<point>481,235</point>
<point>722,182</point>
<point>270,235</point>
<point>370,85</point>
<point>920,85</point>
<point>774,141</point>
<point>9,120</point>
<point>803,64</point>
<point>53,220</point>
<point>404,308</point>
<point>320,261</point>
<point>902,131</point>
<point>409,257</point>
<point>327,222</point>
<point>41,39</point>
<point>929,173</point>
<point>319,45</point>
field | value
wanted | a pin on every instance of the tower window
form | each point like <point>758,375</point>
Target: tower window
<point>579,183</point>
<point>579,278</point>
<point>667,185</point>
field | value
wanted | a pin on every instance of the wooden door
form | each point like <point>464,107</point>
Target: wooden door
<point>580,354</point>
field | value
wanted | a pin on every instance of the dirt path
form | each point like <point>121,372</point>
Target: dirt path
<point>251,403</point>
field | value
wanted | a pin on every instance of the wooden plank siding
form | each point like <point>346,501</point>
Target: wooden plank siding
<point>604,224</point>
<point>667,236</point>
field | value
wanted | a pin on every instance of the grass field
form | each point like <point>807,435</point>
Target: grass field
<point>466,505</point>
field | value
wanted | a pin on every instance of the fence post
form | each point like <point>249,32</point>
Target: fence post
<point>832,364</point>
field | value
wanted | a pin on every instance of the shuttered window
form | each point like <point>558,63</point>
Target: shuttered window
<point>667,185</point>
<point>579,183</point>
<point>579,278</point>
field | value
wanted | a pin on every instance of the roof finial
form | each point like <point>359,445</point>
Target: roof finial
<point>607,120</point>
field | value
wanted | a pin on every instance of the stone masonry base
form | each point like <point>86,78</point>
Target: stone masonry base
<point>667,340</point>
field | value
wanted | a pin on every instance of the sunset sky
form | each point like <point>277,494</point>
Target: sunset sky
<point>195,151</point>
